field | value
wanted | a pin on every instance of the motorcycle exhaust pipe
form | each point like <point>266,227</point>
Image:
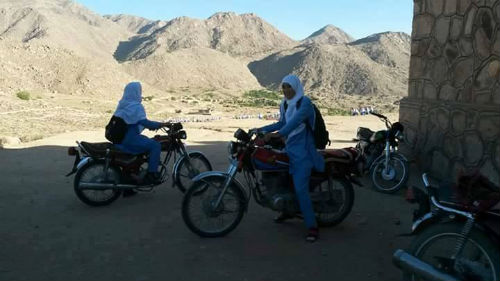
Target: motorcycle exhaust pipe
<point>101,186</point>
<point>409,263</point>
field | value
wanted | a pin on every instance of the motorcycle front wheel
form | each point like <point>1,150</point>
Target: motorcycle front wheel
<point>436,245</point>
<point>188,168</point>
<point>203,216</point>
<point>392,177</point>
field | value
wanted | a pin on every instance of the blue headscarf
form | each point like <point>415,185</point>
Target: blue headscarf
<point>130,108</point>
<point>294,82</point>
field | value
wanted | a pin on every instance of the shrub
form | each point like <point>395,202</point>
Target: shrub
<point>24,95</point>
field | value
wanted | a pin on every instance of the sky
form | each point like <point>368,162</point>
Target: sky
<point>297,19</point>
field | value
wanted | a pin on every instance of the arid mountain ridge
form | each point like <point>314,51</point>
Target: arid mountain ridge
<point>139,43</point>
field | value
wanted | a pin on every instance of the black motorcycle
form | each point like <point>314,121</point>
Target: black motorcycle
<point>456,234</point>
<point>388,168</point>
<point>103,171</point>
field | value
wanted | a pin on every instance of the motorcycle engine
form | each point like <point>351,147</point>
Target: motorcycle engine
<point>277,191</point>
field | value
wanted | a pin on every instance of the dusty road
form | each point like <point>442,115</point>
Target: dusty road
<point>48,234</point>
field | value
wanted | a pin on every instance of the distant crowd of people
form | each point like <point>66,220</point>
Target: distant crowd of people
<point>364,110</point>
<point>194,119</point>
<point>264,116</point>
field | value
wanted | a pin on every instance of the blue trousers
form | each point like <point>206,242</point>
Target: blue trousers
<point>137,144</point>
<point>301,178</point>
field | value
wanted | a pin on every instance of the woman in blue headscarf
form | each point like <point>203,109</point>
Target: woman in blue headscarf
<point>131,110</point>
<point>299,145</point>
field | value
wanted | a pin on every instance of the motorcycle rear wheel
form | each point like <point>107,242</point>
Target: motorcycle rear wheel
<point>480,255</point>
<point>341,202</point>
<point>94,172</point>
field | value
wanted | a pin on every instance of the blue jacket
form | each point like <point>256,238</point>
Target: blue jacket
<point>133,140</point>
<point>300,147</point>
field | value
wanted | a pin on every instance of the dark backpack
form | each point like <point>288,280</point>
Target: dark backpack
<point>116,130</point>
<point>321,135</point>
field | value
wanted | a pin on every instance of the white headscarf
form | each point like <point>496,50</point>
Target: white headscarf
<point>293,81</point>
<point>130,108</point>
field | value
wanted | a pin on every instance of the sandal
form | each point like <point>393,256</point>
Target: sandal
<point>312,235</point>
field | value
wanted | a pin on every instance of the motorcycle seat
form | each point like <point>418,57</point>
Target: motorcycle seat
<point>99,149</point>
<point>344,155</point>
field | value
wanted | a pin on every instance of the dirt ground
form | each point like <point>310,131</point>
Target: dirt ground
<point>48,234</point>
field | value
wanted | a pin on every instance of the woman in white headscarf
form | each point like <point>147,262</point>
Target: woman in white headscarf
<point>131,110</point>
<point>295,111</point>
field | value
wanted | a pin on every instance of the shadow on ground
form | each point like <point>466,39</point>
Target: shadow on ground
<point>48,234</point>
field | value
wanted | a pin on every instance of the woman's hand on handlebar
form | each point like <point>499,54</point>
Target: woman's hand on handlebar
<point>165,124</point>
<point>269,136</point>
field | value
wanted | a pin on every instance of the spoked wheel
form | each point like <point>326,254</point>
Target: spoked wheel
<point>390,178</point>
<point>333,199</point>
<point>94,173</point>
<point>436,245</point>
<point>204,216</point>
<point>189,168</point>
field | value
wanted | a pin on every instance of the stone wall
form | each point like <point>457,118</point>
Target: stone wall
<point>452,112</point>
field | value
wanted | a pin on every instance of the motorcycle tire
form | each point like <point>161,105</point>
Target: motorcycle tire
<point>85,174</point>
<point>425,239</point>
<point>204,187</point>
<point>378,168</point>
<point>183,180</point>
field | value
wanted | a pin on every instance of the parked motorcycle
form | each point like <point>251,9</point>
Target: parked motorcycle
<point>216,202</point>
<point>103,171</point>
<point>388,169</point>
<point>456,235</point>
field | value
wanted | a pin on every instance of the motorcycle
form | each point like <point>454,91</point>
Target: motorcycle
<point>103,171</point>
<point>388,169</point>
<point>457,235</point>
<point>216,202</point>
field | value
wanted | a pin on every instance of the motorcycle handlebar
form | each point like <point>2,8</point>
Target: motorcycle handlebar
<point>378,115</point>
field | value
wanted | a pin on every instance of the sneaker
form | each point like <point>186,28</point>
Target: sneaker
<point>282,217</point>
<point>312,235</point>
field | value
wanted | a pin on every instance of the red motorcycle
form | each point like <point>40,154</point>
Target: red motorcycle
<point>214,205</point>
<point>103,171</point>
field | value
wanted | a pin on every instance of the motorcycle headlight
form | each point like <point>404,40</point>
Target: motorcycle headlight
<point>232,148</point>
<point>182,135</point>
<point>399,135</point>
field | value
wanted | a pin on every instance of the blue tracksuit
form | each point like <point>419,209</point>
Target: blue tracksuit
<point>302,153</point>
<point>135,143</point>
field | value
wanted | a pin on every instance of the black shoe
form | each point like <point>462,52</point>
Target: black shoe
<point>282,217</point>
<point>151,179</point>
<point>129,192</point>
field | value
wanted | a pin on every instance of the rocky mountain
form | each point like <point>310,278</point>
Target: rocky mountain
<point>236,35</point>
<point>37,67</point>
<point>194,68</point>
<point>68,48</point>
<point>62,23</point>
<point>388,48</point>
<point>331,71</point>
<point>329,34</point>
<point>136,25</point>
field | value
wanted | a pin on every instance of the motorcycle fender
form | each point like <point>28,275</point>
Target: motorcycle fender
<point>79,163</point>
<point>427,220</point>
<point>84,161</point>
<point>204,175</point>
<point>175,168</point>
